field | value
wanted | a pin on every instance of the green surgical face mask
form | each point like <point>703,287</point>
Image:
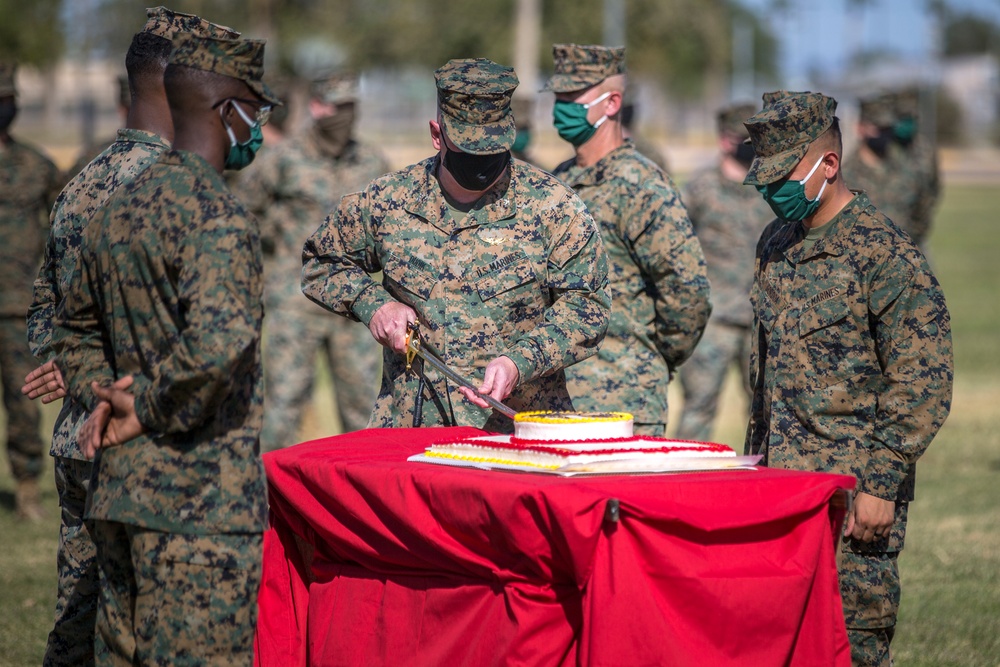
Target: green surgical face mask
<point>788,198</point>
<point>521,141</point>
<point>242,154</point>
<point>570,119</point>
<point>905,130</point>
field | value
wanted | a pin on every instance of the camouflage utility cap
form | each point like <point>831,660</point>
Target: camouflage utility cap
<point>906,103</point>
<point>474,99</point>
<point>578,67</point>
<point>167,23</point>
<point>7,71</point>
<point>730,118</point>
<point>783,131</point>
<point>241,59</point>
<point>879,110</point>
<point>335,87</point>
<point>775,95</point>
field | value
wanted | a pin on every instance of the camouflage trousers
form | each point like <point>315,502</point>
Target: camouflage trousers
<point>24,444</point>
<point>653,430</point>
<point>294,339</point>
<point>703,375</point>
<point>869,589</point>
<point>175,600</point>
<point>71,641</point>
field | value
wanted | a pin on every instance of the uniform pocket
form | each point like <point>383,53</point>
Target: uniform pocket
<point>833,343</point>
<point>518,275</point>
<point>513,297</point>
<point>411,275</point>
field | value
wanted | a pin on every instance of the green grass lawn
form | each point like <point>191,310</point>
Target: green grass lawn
<point>951,566</point>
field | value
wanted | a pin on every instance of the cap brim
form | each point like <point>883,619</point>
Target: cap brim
<point>766,170</point>
<point>567,83</point>
<point>485,139</point>
<point>264,92</point>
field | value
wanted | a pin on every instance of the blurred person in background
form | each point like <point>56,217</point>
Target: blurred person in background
<point>629,116</point>
<point>92,150</point>
<point>728,218</point>
<point>890,164</point>
<point>291,190</point>
<point>29,184</point>
<point>656,268</point>
<point>524,112</point>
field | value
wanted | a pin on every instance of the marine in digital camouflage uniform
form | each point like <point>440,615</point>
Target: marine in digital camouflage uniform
<point>896,181</point>
<point>95,148</point>
<point>728,218</point>
<point>646,147</point>
<point>523,108</point>
<point>29,183</point>
<point>852,361</point>
<point>499,263</point>
<point>167,295</point>
<point>916,150</point>
<point>656,269</point>
<point>291,191</point>
<point>147,134</point>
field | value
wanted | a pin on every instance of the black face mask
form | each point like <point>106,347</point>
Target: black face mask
<point>474,172</point>
<point>8,110</point>
<point>880,144</point>
<point>744,154</point>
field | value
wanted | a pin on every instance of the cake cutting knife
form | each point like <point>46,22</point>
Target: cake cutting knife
<point>415,348</point>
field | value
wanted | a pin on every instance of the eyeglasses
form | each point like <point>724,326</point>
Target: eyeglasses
<point>262,112</point>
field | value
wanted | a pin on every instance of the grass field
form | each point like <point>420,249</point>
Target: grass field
<point>950,569</point>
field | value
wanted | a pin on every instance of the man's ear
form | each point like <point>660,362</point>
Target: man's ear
<point>436,139</point>
<point>228,112</point>
<point>614,103</point>
<point>831,164</point>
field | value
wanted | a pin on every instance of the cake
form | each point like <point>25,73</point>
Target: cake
<point>563,426</point>
<point>579,442</point>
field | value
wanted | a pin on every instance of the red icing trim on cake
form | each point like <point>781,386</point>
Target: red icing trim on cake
<point>550,446</point>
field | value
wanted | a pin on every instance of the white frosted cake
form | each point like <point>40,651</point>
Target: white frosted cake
<point>582,441</point>
<point>563,426</point>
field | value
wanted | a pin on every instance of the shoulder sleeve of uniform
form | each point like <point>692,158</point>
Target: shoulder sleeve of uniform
<point>577,232</point>
<point>338,258</point>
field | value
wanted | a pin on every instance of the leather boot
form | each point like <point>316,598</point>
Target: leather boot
<point>28,500</point>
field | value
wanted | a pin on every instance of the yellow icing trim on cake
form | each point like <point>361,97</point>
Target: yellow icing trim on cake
<point>538,417</point>
<point>487,459</point>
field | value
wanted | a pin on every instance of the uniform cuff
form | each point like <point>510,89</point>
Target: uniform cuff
<point>526,366</point>
<point>145,406</point>
<point>369,301</point>
<point>884,475</point>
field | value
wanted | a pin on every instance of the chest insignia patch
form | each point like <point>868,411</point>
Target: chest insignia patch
<point>492,238</point>
<point>820,297</point>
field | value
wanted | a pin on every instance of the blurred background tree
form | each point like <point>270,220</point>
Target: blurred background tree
<point>31,32</point>
<point>685,45</point>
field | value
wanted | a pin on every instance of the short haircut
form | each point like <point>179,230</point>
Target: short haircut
<point>146,59</point>
<point>832,139</point>
<point>189,89</point>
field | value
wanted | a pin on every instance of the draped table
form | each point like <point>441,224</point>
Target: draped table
<point>374,560</point>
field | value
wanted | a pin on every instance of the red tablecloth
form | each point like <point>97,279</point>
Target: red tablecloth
<point>373,560</point>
